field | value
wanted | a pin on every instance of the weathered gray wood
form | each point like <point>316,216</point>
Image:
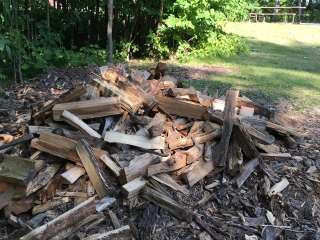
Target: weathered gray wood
<point>111,165</point>
<point>16,169</point>
<point>220,152</point>
<point>133,187</point>
<point>90,163</point>
<point>198,172</point>
<point>73,174</point>
<point>170,182</point>
<point>178,161</point>
<point>123,233</point>
<point>167,203</point>
<point>69,218</point>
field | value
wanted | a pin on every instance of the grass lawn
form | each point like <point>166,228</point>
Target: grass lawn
<point>283,63</point>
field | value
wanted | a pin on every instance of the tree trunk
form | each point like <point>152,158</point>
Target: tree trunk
<point>109,31</point>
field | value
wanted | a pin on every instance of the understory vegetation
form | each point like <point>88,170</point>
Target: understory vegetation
<point>37,35</point>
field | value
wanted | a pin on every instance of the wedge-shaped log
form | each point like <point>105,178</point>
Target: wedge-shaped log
<point>135,140</point>
<point>133,187</point>
<point>178,161</point>
<point>138,166</point>
<point>100,107</point>
<point>181,108</point>
<point>91,165</point>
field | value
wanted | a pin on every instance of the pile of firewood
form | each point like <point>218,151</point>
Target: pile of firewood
<point>121,137</point>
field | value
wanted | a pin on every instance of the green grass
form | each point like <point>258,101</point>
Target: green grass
<point>283,63</point>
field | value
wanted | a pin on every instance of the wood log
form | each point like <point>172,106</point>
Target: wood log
<point>176,141</point>
<point>69,218</point>
<point>60,146</point>
<point>123,233</point>
<point>282,131</point>
<point>181,108</point>
<point>202,138</point>
<point>178,161</point>
<point>198,172</point>
<point>42,178</point>
<point>111,165</point>
<point>114,219</point>
<point>133,187</point>
<point>247,171</point>
<point>167,203</point>
<point>181,93</point>
<point>195,153</point>
<point>16,170</point>
<point>258,109</point>
<point>220,152</point>
<point>100,107</point>
<point>268,148</point>
<point>76,122</point>
<point>139,166</point>
<point>49,205</point>
<point>156,126</point>
<point>134,140</point>
<point>167,180</point>
<point>90,163</point>
<point>73,174</point>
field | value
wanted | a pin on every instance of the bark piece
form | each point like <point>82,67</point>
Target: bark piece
<point>100,107</point>
<point>220,152</point>
<point>167,203</point>
<point>181,108</point>
<point>134,140</point>
<point>75,121</point>
<point>69,218</point>
<point>90,163</point>
<point>16,170</point>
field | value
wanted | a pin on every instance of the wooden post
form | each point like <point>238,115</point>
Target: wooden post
<point>300,11</point>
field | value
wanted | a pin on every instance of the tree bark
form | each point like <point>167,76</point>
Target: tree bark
<point>109,31</point>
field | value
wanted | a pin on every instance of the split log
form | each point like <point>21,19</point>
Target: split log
<point>69,218</point>
<point>181,93</point>
<point>176,141</point>
<point>167,203</point>
<point>139,166</point>
<point>16,170</point>
<point>60,146</point>
<point>170,182</point>
<point>123,233</point>
<point>76,122</point>
<point>181,108</point>
<point>198,172</point>
<point>247,171</point>
<point>134,140</point>
<point>42,178</point>
<point>178,161</point>
<point>258,109</point>
<point>156,126</point>
<point>114,219</point>
<point>49,205</point>
<point>201,138</point>
<point>73,174</point>
<point>195,153</point>
<point>100,107</point>
<point>111,165</point>
<point>268,148</point>
<point>282,131</point>
<point>133,187</point>
<point>220,152</point>
<point>90,163</point>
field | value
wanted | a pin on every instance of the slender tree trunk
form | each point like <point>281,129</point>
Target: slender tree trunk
<point>109,31</point>
<point>48,15</point>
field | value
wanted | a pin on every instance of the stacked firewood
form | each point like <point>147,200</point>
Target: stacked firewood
<point>122,135</point>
